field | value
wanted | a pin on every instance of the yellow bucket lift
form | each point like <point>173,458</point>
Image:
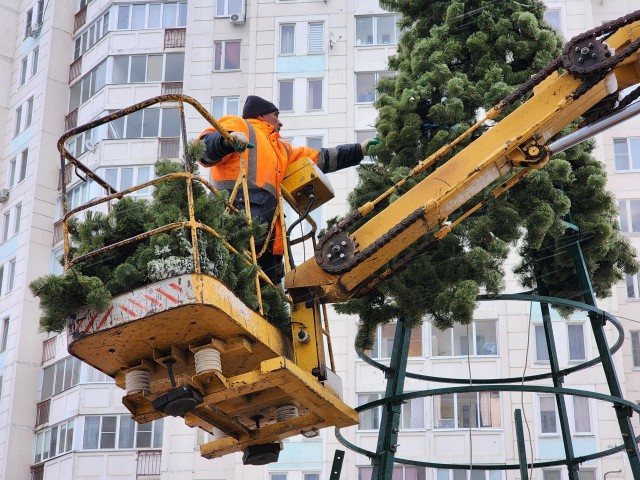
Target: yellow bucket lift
<point>187,346</point>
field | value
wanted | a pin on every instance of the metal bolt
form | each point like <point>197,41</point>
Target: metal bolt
<point>343,243</point>
<point>329,255</point>
<point>590,45</point>
<point>580,60</point>
<point>577,49</point>
<point>342,255</point>
<point>336,248</point>
<point>584,50</point>
<point>593,55</point>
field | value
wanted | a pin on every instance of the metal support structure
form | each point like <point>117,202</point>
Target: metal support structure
<point>522,452</point>
<point>336,468</point>
<point>597,325</point>
<point>558,380</point>
<point>390,422</point>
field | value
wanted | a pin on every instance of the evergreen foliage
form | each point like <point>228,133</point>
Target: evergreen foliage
<point>455,57</point>
<point>94,281</point>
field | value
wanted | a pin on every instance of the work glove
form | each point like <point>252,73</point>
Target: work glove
<point>240,141</point>
<point>367,143</point>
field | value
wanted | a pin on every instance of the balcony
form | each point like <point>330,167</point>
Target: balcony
<point>37,472</point>
<point>42,412</point>
<point>75,69</point>
<point>148,463</point>
<point>81,19</point>
<point>169,148</point>
<point>171,87</point>
<point>175,37</point>
<point>48,349</point>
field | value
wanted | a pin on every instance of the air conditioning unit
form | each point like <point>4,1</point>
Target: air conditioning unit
<point>237,18</point>
<point>4,195</point>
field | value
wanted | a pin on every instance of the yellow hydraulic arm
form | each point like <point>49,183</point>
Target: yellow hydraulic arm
<point>595,70</point>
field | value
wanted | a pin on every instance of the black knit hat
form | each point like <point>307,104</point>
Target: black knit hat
<point>255,106</point>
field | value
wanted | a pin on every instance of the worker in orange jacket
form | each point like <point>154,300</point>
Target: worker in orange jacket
<point>267,162</point>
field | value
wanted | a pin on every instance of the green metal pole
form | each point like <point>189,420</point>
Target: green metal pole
<point>557,382</point>
<point>336,468</point>
<point>623,414</point>
<point>390,422</point>
<point>522,452</point>
<point>563,416</point>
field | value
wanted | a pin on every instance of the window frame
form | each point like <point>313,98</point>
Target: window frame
<point>376,412</point>
<point>223,55</point>
<point>556,420</point>
<point>635,348</point>
<point>374,30</point>
<point>281,31</point>
<point>452,340</point>
<point>311,94</point>
<point>627,155</point>
<point>64,437</point>
<point>570,353</point>
<point>114,437</point>
<point>225,110</point>
<point>377,350</point>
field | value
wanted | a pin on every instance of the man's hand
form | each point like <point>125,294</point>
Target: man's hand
<point>367,143</point>
<point>240,141</point>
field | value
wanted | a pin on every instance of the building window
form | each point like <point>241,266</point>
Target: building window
<point>59,377</point>
<point>287,39</point>
<point>285,95</point>
<point>126,177</point>
<point>314,94</point>
<point>221,106</point>
<point>29,116</point>
<point>33,23</point>
<point>226,8</point>
<point>551,475</point>
<point>34,61</point>
<point>120,431</point>
<point>406,472</point>
<point>411,416</point>
<point>626,154</point>
<point>635,348</point>
<point>148,123</point>
<point>88,86</point>
<point>148,68</point>
<point>54,441</point>
<point>57,261</point>
<point>553,17</point>
<point>443,474</point>
<point>88,374</point>
<point>226,55</point>
<point>383,343</point>
<point>629,215</point>
<point>454,342</point>
<point>542,353</point>
<point>467,410</point>
<point>366,85</point>
<point>377,29</point>
<point>5,334</point>
<point>91,35</point>
<point>6,222</point>
<point>278,476</point>
<point>12,276</point>
<point>17,218</point>
<point>315,142</point>
<point>581,415</point>
<point>152,15</point>
<point>548,417</point>
<point>310,476</point>
<point>17,127</point>
<point>586,474</point>
<point>315,40</point>
<point>632,283</point>
<point>575,332</point>
<point>23,71</point>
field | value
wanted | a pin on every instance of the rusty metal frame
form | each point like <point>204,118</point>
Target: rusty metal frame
<point>112,194</point>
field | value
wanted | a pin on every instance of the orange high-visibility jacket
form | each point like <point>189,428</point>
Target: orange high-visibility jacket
<point>267,163</point>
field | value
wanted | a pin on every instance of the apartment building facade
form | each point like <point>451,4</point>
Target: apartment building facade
<point>66,63</point>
